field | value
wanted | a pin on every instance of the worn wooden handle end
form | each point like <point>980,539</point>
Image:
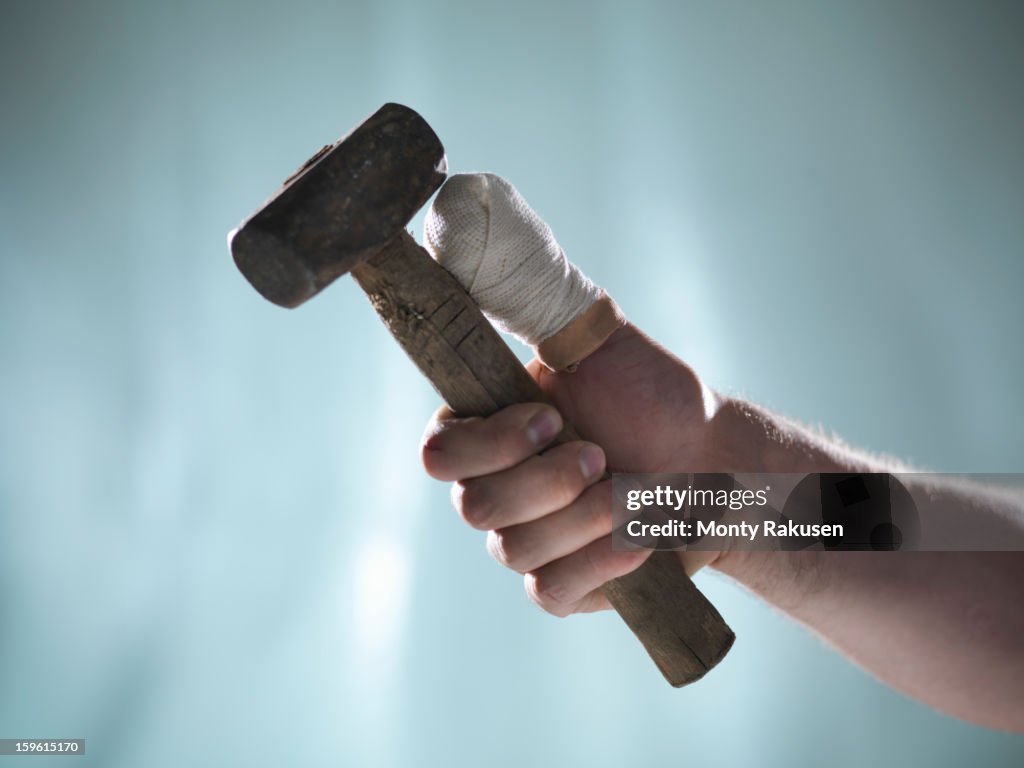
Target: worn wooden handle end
<point>682,631</point>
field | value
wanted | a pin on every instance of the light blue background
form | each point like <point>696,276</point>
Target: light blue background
<point>216,544</point>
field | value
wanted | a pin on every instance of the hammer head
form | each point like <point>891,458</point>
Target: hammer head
<point>343,205</point>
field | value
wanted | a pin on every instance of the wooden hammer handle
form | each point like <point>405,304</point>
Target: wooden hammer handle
<point>472,368</point>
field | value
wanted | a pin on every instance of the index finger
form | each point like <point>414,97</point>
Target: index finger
<point>460,448</point>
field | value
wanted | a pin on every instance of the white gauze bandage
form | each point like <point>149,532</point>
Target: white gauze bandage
<point>483,232</point>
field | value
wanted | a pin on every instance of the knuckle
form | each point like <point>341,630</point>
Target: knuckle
<point>458,498</point>
<point>510,548</point>
<point>547,592</point>
<point>473,502</point>
<point>501,549</point>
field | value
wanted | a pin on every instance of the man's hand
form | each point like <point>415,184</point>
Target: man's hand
<point>547,514</point>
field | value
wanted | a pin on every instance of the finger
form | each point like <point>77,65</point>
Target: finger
<point>560,588</point>
<point>528,546</point>
<point>456,449</point>
<point>536,487</point>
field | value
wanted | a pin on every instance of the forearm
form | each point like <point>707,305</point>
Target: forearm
<point>943,627</point>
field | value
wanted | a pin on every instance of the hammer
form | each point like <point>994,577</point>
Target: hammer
<point>345,210</point>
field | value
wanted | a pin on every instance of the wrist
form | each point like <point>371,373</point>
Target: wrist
<point>748,439</point>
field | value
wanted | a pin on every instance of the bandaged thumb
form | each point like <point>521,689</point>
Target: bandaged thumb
<point>482,231</point>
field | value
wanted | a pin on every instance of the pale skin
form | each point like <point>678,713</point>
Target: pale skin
<point>946,628</point>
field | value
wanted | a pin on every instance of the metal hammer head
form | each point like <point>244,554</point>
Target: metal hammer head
<point>342,206</point>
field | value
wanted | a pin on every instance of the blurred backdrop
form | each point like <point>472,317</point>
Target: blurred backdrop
<point>216,543</point>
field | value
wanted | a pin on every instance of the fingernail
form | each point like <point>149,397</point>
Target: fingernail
<point>591,461</point>
<point>543,427</point>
